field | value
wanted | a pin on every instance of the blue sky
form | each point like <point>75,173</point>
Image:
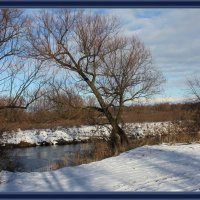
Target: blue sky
<point>173,36</point>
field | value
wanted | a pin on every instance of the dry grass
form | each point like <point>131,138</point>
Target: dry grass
<point>168,138</point>
<point>103,150</point>
<point>157,113</point>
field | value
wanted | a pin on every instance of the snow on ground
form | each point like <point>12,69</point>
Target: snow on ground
<point>147,168</point>
<point>80,134</point>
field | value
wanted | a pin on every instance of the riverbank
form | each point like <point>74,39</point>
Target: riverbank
<point>148,168</point>
<point>58,136</point>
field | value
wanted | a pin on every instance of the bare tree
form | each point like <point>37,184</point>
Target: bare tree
<point>115,69</point>
<point>194,91</point>
<point>64,99</point>
<point>11,30</point>
<point>24,84</point>
<point>19,78</point>
<point>194,88</point>
<point>12,24</point>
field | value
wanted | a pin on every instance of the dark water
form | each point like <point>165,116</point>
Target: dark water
<point>42,158</point>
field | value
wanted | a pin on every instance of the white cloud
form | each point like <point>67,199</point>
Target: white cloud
<point>163,99</point>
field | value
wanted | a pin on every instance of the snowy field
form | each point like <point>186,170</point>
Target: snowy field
<point>147,168</point>
<point>53,136</point>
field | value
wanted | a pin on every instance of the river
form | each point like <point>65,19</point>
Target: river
<point>42,158</point>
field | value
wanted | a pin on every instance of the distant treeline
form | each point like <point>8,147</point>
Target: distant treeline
<point>62,113</point>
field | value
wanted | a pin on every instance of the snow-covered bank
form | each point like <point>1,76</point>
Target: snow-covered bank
<point>61,135</point>
<point>148,168</point>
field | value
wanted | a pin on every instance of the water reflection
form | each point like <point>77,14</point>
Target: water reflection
<point>7,162</point>
<point>42,158</point>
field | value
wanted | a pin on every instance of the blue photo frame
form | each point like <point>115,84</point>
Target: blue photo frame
<point>102,4</point>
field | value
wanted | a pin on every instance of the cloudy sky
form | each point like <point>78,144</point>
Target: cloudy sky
<point>173,36</point>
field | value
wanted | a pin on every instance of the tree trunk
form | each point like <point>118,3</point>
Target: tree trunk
<point>118,136</point>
